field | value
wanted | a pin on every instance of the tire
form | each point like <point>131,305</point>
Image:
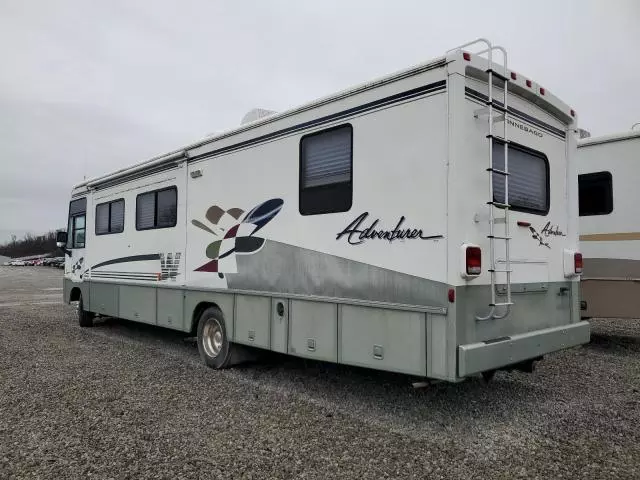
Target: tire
<point>213,342</point>
<point>85,319</point>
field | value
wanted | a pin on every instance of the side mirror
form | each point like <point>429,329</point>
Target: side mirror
<point>61,239</point>
<point>61,242</point>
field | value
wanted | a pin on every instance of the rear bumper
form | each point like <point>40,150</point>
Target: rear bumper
<point>482,356</point>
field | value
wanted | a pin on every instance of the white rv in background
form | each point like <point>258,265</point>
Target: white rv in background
<point>609,169</point>
<point>423,223</point>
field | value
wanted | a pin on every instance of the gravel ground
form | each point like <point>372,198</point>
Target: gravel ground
<point>123,400</point>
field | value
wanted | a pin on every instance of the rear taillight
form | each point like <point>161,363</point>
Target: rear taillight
<point>473,260</point>
<point>577,263</point>
<point>466,56</point>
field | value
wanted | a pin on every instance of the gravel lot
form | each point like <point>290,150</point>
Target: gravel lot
<point>127,401</point>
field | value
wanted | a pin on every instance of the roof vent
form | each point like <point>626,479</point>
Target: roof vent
<point>583,133</point>
<point>255,114</point>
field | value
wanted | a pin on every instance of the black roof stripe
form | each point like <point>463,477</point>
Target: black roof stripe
<point>396,98</point>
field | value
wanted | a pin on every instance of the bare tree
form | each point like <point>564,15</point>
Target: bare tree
<point>30,245</point>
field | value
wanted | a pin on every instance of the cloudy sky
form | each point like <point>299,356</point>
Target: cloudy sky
<point>87,87</point>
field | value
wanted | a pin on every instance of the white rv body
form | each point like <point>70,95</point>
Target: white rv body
<point>380,283</point>
<point>609,225</point>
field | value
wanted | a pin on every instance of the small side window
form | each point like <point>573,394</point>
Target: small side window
<point>595,194</point>
<point>145,211</point>
<point>326,176</point>
<point>77,218</point>
<point>110,217</point>
<point>157,209</point>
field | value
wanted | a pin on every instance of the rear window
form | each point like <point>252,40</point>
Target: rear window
<point>528,179</point>
<point>595,192</point>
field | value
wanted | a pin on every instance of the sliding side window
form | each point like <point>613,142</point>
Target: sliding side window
<point>595,194</point>
<point>157,209</point>
<point>110,217</point>
<point>326,176</point>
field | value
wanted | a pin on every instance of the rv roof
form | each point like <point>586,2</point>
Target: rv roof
<point>475,61</point>
<point>438,62</point>
<point>616,137</point>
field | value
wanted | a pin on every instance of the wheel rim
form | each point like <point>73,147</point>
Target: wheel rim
<point>212,338</point>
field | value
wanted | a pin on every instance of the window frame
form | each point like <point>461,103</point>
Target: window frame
<point>109,231</point>
<point>304,191</point>
<point>155,208</point>
<point>609,177</point>
<point>71,225</point>
<point>535,153</point>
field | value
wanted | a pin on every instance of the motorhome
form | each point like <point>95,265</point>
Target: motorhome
<point>425,222</point>
<point>609,225</point>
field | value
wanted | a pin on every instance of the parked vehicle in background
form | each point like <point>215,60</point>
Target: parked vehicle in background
<point>17,263</point>
<point>423,223</point>
<point>608,172</point>
<point>56,262</point>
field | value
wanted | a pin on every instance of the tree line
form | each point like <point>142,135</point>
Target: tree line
<point>30,245</point>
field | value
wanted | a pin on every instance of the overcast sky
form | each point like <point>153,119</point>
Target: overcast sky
<point>87,87</point>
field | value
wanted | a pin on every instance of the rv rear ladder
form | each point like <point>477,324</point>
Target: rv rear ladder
<point>497,112</point>
<point>502,110</point>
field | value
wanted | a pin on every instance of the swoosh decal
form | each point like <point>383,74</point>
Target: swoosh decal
<point>133,258</point>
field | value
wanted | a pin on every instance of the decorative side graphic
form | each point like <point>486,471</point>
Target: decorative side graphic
<point>237,232</point>
<point>547,231</point>
<point>77,266</point>
<point>169,264</point>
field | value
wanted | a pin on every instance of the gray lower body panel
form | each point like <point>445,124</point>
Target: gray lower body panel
<point>437,341</point>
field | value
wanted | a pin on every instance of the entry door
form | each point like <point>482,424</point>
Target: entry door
<point>75,263</point>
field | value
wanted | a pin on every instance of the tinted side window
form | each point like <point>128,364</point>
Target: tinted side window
<point>116,217</point>
<point>326,163</point>
<point>167,208</point>
<point>79,231</point>
<point>595,193</point>
<point>110,217</point>
<point>145,211</point>
<point>157,209</point>
<point>102,219</point>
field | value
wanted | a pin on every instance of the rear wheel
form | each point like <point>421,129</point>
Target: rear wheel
<point>85,319</point>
